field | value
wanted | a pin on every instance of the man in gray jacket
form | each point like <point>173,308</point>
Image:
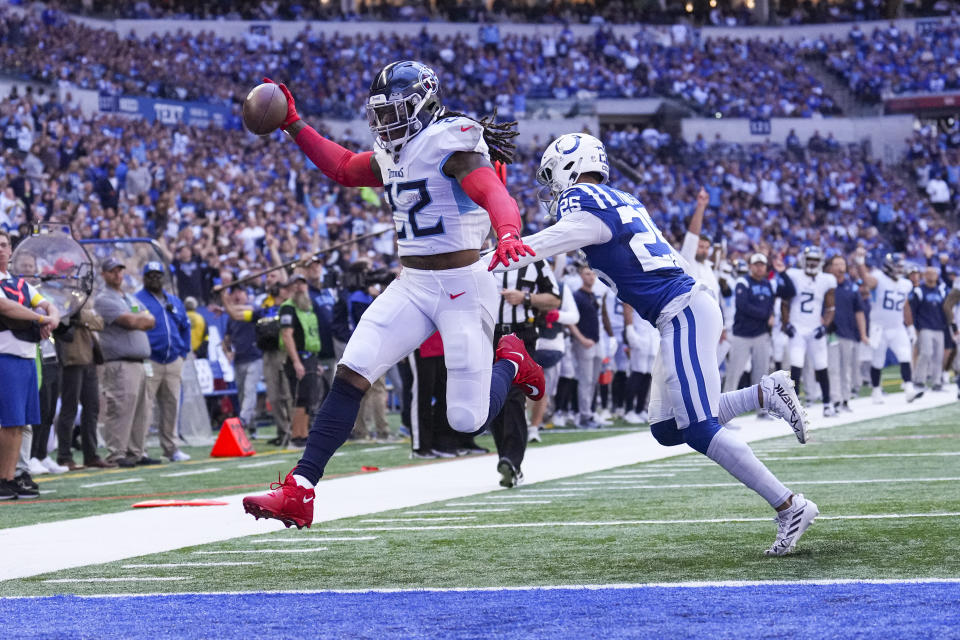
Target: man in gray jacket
<point>123,377</point>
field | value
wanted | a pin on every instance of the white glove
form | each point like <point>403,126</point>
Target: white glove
<point>912,334</point>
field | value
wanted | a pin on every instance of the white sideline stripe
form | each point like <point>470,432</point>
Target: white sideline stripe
<point>92,540</point>
<point>855,456</point>
<point>417,519</point>
<point>128,579</point>
<point>713,485</point>
<point>186,564</point>
<point>484,504</point>
<point>538,495</point>
<point>723,584</point>
<point>195,472</point>
<point>633,474</point>
<point>633,523</point>
<point>424,512</point>
<point>541,491</point>
<point>263,463</point>
<point>111,482</point>
<point>312,539</point>
<point>225,552</point>
<point>598,483</point>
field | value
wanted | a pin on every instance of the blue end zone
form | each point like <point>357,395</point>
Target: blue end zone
<point>886,611</point>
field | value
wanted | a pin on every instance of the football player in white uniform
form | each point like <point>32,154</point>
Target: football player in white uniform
<point>806,317</point>
<point>891,323</point>
<point>435,167</point>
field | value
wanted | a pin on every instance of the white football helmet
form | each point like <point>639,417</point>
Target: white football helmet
<point>567,158</point>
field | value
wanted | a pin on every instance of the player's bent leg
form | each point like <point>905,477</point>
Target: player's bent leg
<point>666,433</point>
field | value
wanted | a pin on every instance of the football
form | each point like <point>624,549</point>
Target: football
<point>264,109</point>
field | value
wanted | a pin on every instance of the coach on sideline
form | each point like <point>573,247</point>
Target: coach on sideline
<point>850,328</point>
<point>169,343</point>
<point>18,371</point>
<point>752,322</point>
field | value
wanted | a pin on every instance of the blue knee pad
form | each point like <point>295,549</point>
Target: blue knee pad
<point>699,434</point>
<point>666,433</point>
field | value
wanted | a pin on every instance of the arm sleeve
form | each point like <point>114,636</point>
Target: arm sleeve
<point>786,289</point>
<point>569,314</point>
<point>340,165</point>
<point>573,231</point>
<point>689,247</point>
<point>485,188</point>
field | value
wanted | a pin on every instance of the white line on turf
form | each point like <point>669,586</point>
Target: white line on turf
<point>423,512</point>
<point>713,485</point>
<point>195,472</point>
<point>57,546</point>
<point>725,584</point>
<point>312,539</point>
<point>240,551</point>
<point>538,495</point>
<point>630,523</point>
<point>416,519</point>
<point>855,456</point>
<point>127,579</point>
<point>632,474</point>
<point>484,504</point>
<point>111,482</point>
<point>540,491</point>
<point>264,463</point>
<point>598,483</point>
<point>186,564</point>
<point>373,449</point>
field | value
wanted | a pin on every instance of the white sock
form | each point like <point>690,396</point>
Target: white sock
<point>303,482</point>
<point>735,403</point>
<point>738,459</point>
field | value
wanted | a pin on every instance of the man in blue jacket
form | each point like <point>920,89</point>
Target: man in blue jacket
<point>926,303</point>
<point>169,343</point>
<point>752,321</point>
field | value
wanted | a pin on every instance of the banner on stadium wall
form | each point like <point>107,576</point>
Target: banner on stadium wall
<point>197,114</point>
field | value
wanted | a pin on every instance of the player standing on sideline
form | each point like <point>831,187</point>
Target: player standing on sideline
<point>621,241</point>
<point>891,323</point>
<point>805,318</point>
<point>436,171</point>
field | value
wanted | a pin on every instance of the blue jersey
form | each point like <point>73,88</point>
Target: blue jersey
<point>646,270</point>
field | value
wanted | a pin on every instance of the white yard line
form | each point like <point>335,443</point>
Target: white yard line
<point>172,565</point>
<point>264,463</point>
<point>111,482</point>
<point>56,546</point>
<point>424,512</point>
<point>245,551</point>
<point>632,474</point>
<point>127,579</point>
<point>719,584</point>
<point>482,504</point>
<point>195,472</point>
<point>419,519</point>
<point>313,539</point>
<point>857,456</point>
<point>635,523</point>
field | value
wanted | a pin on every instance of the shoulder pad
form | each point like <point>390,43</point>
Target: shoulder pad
<point>458,134</point>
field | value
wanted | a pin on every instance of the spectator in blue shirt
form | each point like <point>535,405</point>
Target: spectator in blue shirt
<point>926,303</point>
<point>850,328</point>
<point>752,322</point>
<point>169,343</point>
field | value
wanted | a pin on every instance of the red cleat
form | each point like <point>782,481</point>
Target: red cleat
<point>529,373</point>
<point>288,502</point>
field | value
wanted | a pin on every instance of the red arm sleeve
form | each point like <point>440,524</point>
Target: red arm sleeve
<point>340,165</point>
<point>485,188</point>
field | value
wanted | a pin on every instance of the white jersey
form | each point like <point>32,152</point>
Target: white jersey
<point>615,314</point>
<point>888,299</point>
<point>432,212</point>
<point>806,308</point>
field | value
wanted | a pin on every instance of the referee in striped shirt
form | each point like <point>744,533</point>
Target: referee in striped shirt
<point>524,293</point>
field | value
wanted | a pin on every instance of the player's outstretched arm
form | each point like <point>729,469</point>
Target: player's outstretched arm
<point>340,165</point>
<point>480,182</point>
<point>573,231</point>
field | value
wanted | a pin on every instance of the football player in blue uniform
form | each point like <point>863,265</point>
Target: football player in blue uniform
<point>435,167</point>
<point>625,247</point>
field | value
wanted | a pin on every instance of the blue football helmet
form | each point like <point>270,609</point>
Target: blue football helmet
<point>404,98</point>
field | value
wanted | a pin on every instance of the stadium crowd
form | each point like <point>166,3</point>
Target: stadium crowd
<point>720,75</point>
<point>222,206</point>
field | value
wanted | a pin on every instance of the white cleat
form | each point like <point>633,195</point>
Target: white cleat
<point>829,411</point>
<point>791,523</point>
<point>877,395</point>
<point>911,391</point>
<point>533,434</point>
<point>780,400</point>
<point>632,417</point>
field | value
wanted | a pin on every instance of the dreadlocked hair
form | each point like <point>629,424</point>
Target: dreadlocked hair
<point>497,135</point>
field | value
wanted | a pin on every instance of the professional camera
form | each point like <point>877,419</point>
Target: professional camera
<point>359,275</point>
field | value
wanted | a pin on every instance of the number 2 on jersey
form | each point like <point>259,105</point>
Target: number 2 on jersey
<point>393,192</point>
<point>648,245</point>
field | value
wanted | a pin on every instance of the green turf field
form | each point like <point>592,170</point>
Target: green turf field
<point>882,487</point>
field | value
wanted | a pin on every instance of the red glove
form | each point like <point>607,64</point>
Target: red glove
<point>291,106</point>
<point>552,316</point>
<point>510,248</point>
